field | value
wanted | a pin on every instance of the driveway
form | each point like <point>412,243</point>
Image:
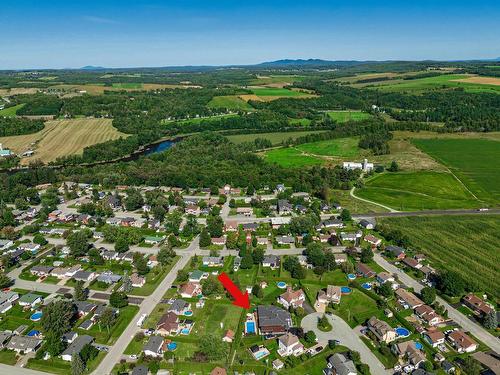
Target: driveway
<point>347,337</point>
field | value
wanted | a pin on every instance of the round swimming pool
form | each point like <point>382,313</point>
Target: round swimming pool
<point>281,284</point>
<point>185,331</point>
<point>172,346</point>
<point>345,290</point>
<point>402,332</point>
<point>366,286</point>
<point>36,316</point>
<point>188,313</point>
<point>418,345</point>
<point>351,276</point>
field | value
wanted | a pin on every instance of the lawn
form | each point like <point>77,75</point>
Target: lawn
<point>230,102</point>
<point>153,280</point>
<point>291,157</point>
<point>275,138</point>
<point>469,160</point>
<point>341,147</point>
<point>63,137</point>
<point>8,357</point>
<point>345,116</point>
<point>407,191</point>
<point>356,308</point>
<point>466,244</point>
<point>10,111</point>
<point>127,86</point>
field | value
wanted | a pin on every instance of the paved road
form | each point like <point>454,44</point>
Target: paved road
<point>347,337</point>
<point>453,313</point>
<point>11,370</point>
<point>150,302</point>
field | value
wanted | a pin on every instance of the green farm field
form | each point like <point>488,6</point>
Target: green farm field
<point>341,147</point>
<point>471,160</point>
<point>422,190</point>
<point>276,79</point>
<point>466,244</point>
<point>291,157</point>
<point>345,116</point>
<point>265,91</point>
<point>229,102</point>
<point>438,82</point>
<point>10,111</point>
<point>275,138</point>
<point>127,86</point>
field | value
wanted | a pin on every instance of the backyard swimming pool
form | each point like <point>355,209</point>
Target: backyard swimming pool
<point>281,284</point>
<point>418,345</point>
<point>172,346</point>
<point>351,276</point>
<point>366,286</point>
<point>345,290</point>
<point>188,313</point>
<point>36,316</point>
<point>402,332</point>
<point>250,327</point>
<point>185,331</point>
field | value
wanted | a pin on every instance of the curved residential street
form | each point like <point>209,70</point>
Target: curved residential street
<point>346,336</point>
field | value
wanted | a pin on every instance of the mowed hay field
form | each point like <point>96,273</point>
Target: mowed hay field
<point>464,244</point>
<point>273,93</point>
<point>290,157</point>
<point>345,116</point>
<point>421,190</point>
<point>473,161</point>
<point>98,89</point>
<point>62,138</point>
<point>339,148</point>
<point>275,138</point>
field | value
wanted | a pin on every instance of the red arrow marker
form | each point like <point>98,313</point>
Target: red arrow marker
<point>240,299</point>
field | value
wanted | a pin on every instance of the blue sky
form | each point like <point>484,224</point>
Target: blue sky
<point>59,34</point>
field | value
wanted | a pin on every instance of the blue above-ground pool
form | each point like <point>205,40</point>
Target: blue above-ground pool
<point>250,327</point>
<point>345,290</point>
<point>281,284</point>
<point>188,313</point>
<point>185,331</point>
<point>172,346</point>
<point>351,276</point>
<point>366,286</point>
<point>36,316</point>
<point>402,332</point>
<point>418,345</point>
<point>33,332</point>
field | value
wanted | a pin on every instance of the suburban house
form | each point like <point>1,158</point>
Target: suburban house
<point>108,277</point>
<point>428,315</point>
<point>69,337</point>
<point>193,209</point>
<point>462,342</point>
<point>190,290</point>
<point>231,226</point>
<point>284,207</point>
<point>285,240</point>
<point>277,222</point>
<point>168,324</point>
<point>434,337</point>
<point>372,240</point>
<point>262,241</point>
<point>245,211</point>
<point>6,300</point>
<point>219,241</point>
<point>213,261</point>
<point>4,338</point>
<point>384,277</point>
<point>365,166</point>
<point>196,276</point>
<point>331,223</point>
<point>382,331</point>
<point>350,236</point>
<point>272,320</point>
<point>396,251</point>
<point>289,344</point>
<point>250,227</point>
<point>409,350</point>
<point>41,270</point>
<point>24,344</point>
<point>76,347</point>
<point>153,240</point>
<point>179,307</point>
<point>408,299</point>
<point>110,255</point>
<point>154,347</point>
<point>272,261</point>
<point>340,258</point>
<point>137,280</point>
<point>365,271</point>
<point>366,224</point>
<point>30,299</point>
<point>333,294</point>
<point>292,298</point>
<point>84,307</point>
<point>84,276</point>
<point>412,263</point>
<point>341,365</point>
<point>5,244</point>
<point>477,305</point>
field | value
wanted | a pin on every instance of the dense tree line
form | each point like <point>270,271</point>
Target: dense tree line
<point>18,126</point>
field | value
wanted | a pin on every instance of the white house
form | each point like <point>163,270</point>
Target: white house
<point>289,344</point>
<point>365,166</point>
